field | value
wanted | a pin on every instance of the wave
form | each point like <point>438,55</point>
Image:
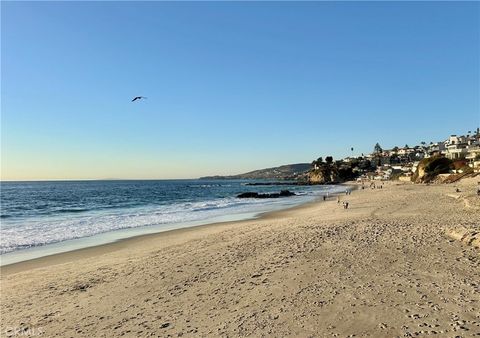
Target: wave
<point>43,231</point>
<point>74,223</point>
<point>213,185</point>
<point>73,210</point>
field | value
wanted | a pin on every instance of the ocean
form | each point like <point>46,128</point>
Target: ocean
<point>41,218</point>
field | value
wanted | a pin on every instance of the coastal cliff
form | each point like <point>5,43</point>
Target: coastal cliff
<point>429,168</point>
<point>323,175</point>
<point>329,173</point>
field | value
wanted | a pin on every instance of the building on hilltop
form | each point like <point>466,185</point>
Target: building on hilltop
<point>456,147</point>
<point>436,148</point>
<point>473,157</point>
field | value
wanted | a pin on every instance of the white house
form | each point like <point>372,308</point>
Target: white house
<point>473,157</point>
<point>456,147</point>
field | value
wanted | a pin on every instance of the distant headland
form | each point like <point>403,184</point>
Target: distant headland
<point>454,158</point>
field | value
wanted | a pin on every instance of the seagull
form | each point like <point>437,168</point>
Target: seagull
<point>138,98</point>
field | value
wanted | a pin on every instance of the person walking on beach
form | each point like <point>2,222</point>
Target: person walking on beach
<point>324,197</point>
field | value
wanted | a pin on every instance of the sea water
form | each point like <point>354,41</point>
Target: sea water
<point>41,218</point>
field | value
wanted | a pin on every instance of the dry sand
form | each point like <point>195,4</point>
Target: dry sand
<point>389,266</point>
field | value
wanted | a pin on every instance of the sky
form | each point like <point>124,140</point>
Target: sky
<point>230,86</point>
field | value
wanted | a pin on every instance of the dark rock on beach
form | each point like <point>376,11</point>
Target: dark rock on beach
<point>283,193</point>
<point>248,195</point>
<point>286,193</point>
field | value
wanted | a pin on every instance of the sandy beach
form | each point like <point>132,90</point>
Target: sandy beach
<point>402,261</point>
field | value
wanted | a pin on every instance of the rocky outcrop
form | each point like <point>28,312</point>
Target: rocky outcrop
<point>283,193</point>
<point>429,168</point>
<point>323,175</point>
<point>420,174</point>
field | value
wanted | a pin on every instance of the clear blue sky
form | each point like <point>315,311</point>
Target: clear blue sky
<point>231,87</point>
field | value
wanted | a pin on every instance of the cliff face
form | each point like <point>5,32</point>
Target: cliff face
<point>429,168</point>
<point>419,175</point>
<point>323,175</point>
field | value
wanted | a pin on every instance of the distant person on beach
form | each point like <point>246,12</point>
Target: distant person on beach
<point>345,205</point>
<point>338,199</point>
<point>324,197</point>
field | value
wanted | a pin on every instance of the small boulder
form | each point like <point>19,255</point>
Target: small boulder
<point>248,195</point>
<point>286,193</point>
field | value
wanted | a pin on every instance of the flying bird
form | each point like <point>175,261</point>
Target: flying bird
<point>138,98</point>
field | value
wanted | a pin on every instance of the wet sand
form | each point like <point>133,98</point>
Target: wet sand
<point>392,265</point>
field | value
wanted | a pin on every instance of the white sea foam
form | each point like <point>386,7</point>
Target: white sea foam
<point>27,233</point>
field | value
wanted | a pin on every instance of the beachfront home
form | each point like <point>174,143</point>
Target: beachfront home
<point>456,147</point>
<point>419,152</point>
<point>405,151</point>
<point>403,168</point>
<point>437,148</point>
<point>383,172</point>
<point>473,157</point>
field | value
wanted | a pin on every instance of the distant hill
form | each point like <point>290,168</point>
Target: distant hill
<point>284,172</point>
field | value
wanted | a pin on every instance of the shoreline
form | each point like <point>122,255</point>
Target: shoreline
<point>385,267</point>
<point>123,243</point>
